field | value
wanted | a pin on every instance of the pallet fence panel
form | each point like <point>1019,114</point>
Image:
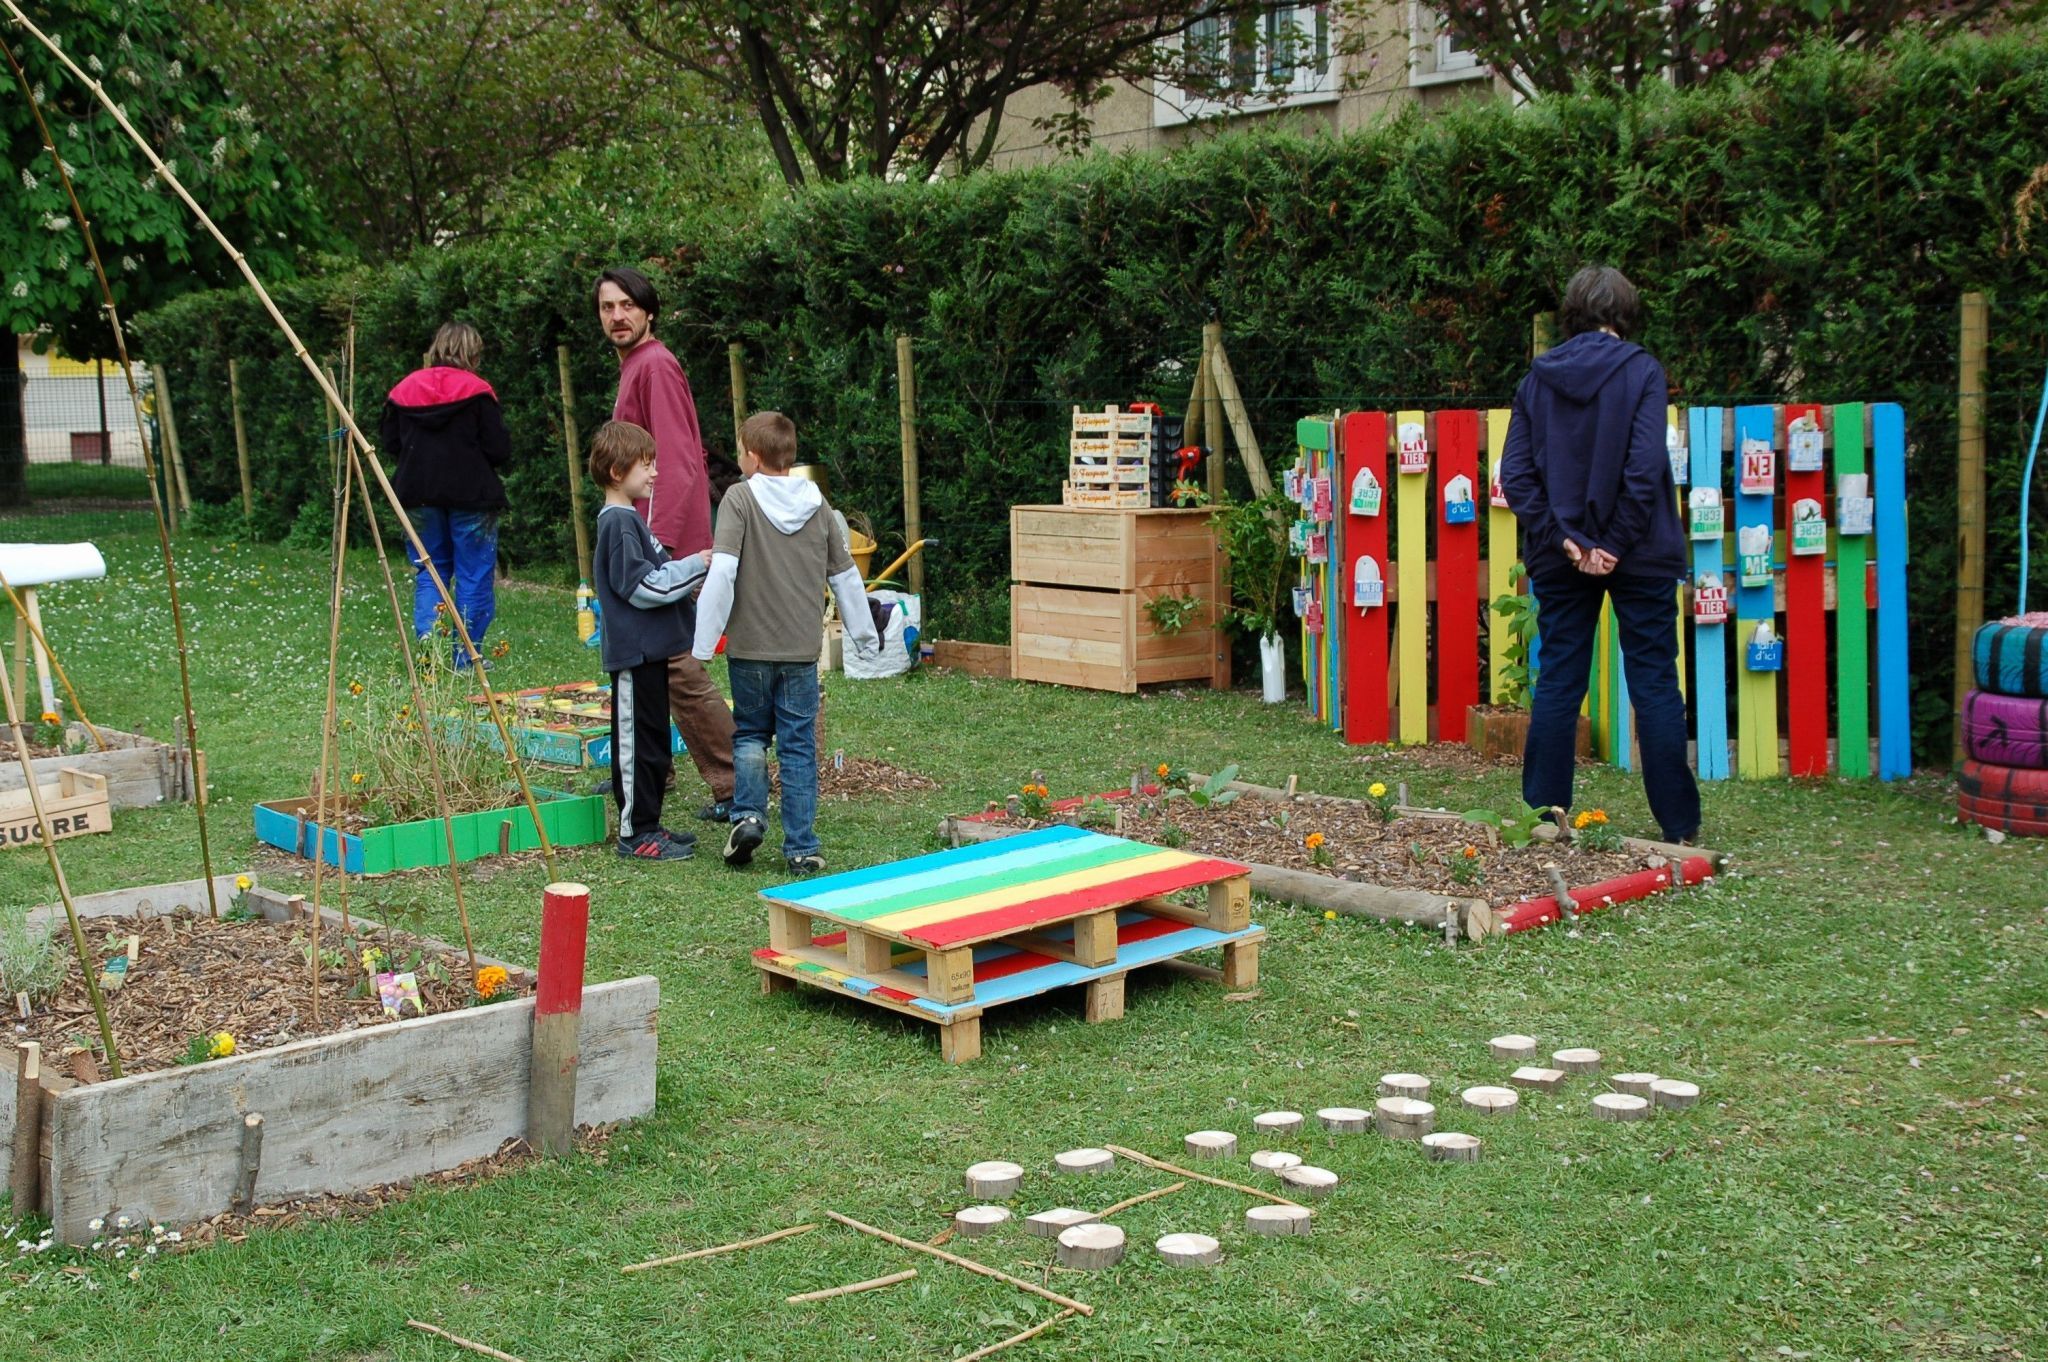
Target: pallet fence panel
<point>1457,571</point>
<point>1894,713</point>
<point>1806,621</point>
<point>1412,573</point>
<point>1756,691</point>
<point>1313,481</point>
<point>1710,638</point>
<point>1367,716</point>
<point>1852,605</point>
<point>1501,552</point>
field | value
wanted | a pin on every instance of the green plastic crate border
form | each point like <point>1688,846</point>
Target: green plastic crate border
<point>571,820</point>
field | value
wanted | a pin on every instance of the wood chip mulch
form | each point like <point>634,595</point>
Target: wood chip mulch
<point>1410,853</point>
<point>860,778</point>
<point>197,975</point>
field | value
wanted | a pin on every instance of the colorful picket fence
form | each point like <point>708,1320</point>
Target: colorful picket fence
<point>1797,513</point>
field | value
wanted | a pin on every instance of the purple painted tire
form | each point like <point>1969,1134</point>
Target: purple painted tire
<point>2006,730</point>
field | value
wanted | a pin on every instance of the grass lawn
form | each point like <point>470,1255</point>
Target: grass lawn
<point>1826,1199</point>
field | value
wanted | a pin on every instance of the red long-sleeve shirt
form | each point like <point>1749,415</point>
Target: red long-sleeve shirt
<point>654,393</point>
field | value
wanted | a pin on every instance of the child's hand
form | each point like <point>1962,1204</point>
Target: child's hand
<point>706,556</point>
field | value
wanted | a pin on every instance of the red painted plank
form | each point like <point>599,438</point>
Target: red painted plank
<point>1457,575</point>
<point>1806,624</point>
<point>1368,718</point>
<point>1021,916</point>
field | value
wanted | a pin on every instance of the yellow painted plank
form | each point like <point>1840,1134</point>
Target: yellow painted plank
<point>905,922</point>
<point>1500,555</point>
<point>1411,552</point>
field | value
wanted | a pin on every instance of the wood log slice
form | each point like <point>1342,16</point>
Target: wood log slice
<point>1674,1093</point>
<point>1278,1220</point>
<point>1051,1224</point>
<point>1189,1250</point>
<point>975,1221</point>
<point>1084,1161</point>
<point>1274,1160</point>
<point>1578,1060</point>
<point>994,1180</point>
<point>1512,1049</point>
<point>1490,1101</point>
<point>1537,1077</point>
<point>1404,1085</point>
<point>1452,1146</point>
<point>1277,1122</point>
<point>1308,1180</point>
<point>1091,1247</point>
<point>1404,1118</point>
<point>1344,1120</point>
<point>1210,1144</point>
<point>1638,1085</point>
<point>1620,1106</point>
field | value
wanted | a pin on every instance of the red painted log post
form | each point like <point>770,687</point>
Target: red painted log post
<point>557,1018</point>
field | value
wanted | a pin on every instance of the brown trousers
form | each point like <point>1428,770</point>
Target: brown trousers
<point>705,721</point>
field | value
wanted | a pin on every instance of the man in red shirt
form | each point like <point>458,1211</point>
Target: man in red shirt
<point>655,394</point>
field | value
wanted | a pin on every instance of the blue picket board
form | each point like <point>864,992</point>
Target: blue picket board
<point>1888,487</point>
<point>1709,641</point>
<point>1623,760</point>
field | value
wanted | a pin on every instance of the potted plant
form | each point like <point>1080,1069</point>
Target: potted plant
<point>1253,534</point>
<point>1501,729</point>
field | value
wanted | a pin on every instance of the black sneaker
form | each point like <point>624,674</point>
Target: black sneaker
<point>746,834</point>
<point>681,839</point>
<point>653,846</point>
<point>718,812</point>
<point>811,864</point>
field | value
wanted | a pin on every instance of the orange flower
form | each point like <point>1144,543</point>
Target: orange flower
<point>489,980</point>
<point>356,778</point>
<point>1471,852</point>
<point>355,688</point>
<point>1162,770</point>
<point>1313,841</point>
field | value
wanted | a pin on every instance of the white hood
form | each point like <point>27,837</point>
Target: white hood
<point>789,503</point>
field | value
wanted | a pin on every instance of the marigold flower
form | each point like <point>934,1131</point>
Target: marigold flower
<point>51,716</point>
<point>1583,818</point>
<point>221,1046</point>
<point>1329,915</point>
<point>355,688</point>
<point>1313,841</point>
<point>1471,852</point>
<point>489,980</point>
<point>356,778</point>
<point>1162,770</point>
<point>243,882</point>
<point>1378,789</point>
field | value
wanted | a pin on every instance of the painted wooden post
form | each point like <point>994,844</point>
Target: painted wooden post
<point>1410,489</point>
<point>572,451</point>
<point>1976,327</point>
<point>1367,715</point>
<point>1852,606</point>
<point>1457,572</point>
<point>906,414</point>
<point>1501,555</point>
<point>1806,619</point>
<point>557,1018</point>
<point>1894,713</point>
<point>736,369</point>
<point>1756,692</point>
<point>241,439</point>
<point>1710,640</point>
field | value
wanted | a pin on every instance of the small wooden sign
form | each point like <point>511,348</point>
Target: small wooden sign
<point>75,803</point>
<point>1804,446</point>
<point>1414,448</point>
<point>1709,518</point>
<point>1766,651</point>
<point>1366,493</point>
<point>1809,531</point>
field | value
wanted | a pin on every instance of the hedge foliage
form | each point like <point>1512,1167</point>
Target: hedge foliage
<point>1806,236</point>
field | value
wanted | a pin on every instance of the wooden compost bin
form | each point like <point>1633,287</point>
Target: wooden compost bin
<point>1082,577</point>
<point>341,1113</point>
<point>571,821</point>
<point>141,772</point>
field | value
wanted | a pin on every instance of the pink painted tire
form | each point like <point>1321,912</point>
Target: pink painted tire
<point>2006,730</point>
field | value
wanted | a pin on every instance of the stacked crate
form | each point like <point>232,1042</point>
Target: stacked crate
<point>1109,459</point>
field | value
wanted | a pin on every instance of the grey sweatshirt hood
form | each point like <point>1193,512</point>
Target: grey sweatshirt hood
<point>789,503</point>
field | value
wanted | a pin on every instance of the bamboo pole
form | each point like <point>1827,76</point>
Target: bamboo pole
<point>573,449</point>
<point>324,777</point>
<point>906,416</point>
<point>736,366</point>
<point>375,466</point>
<point>851,1288</point>
<point>1975,335</point>
<point>241,438</point>
<point>1542,328</point>
<point>982,1268</point>
<point>1240,421</point>
<point>1020,1336</point>
<point>170,423</point>
<point>1165,1167</point>
<point>35,628</point>
<point>789,1233</point>
<point>1212,415</point>
<point>165,523</point>
<point>486,1349</point>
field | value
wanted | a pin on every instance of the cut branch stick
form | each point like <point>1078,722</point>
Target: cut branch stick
<point>168,420</point>
<point>871,1284</point>
<point>328,773</point>
<point>789,1233</point>
<point>574,451</point>
<point>1178,1171</point>
<point>1139,1199</point>
<point>486,1349</point>
<point>26,1181</point>
<point>250,1165</point>
<point>982,1268</point>
<point>241,438</point>
<point>1020,1336</point>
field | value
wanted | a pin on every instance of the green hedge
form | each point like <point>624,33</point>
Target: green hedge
<point>1809,236</point>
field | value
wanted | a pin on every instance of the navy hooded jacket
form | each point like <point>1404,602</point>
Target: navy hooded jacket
<point>445,429</point>
<point>1586,459</point>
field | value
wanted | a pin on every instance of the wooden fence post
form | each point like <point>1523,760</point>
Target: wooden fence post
<point>170,424</point>
<point>26,1181</point>
<point>557,1018</point>
<point>241,439</point>
<point>1224,382</point>
<point>906,413</point>
<point>1212,402</point>
<point>1975,333</point>
<point>572,450</point>
<point>736,363</point>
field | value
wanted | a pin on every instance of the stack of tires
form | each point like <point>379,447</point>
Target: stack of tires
<point>2003,781</point>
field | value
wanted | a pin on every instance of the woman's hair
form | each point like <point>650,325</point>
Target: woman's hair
<point>616,447</point>
<point>456,346</point>
<point>633,284</point>
<point>1597,296</point>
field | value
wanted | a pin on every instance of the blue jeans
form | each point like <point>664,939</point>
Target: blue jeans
<point>1646,616</point>
<point>776,701</point>
<point>464,549</point>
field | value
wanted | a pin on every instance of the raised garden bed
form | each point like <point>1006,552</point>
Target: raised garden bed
<point>354,1103</point>
<point>141,772</point>
<point>571,820</point>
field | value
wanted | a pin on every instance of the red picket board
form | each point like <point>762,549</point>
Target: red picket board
<point>1368,717</point>
<point>1457,576</point>
<point>1806,620</point>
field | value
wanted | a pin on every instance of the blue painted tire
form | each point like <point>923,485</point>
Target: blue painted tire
<point>2011,659</point>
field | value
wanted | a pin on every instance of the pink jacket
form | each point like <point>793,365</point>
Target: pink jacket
<point>654,393</point>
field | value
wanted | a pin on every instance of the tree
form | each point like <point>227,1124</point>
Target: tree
<point>416,118</point>
<point>1546,48</point>
<point>151,247</point>
<point>845,88</point>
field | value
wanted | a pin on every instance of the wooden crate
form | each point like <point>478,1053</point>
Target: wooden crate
<point>75,803</point>
<point>1082,576</point>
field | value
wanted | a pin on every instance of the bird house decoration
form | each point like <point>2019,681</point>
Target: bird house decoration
<point>1710,599</point>
<point>1803,452</point>
<point>1291,482</point>
<point>1753,544</point>
<point>1681,457</point>
<point>1496,494</point>
<point>1708,518</point>
<point>1766,651</point>
<point>1809,531</point>
<point>1458,505</point>
<point>1414,448</point>
<point>1297,537</point>
<point>1319,546</point>
<point>1368,588</point>
<point>1366,493</point>
<point>1759,470</point>
<point>1302,596</point>
<point>1855,508</point>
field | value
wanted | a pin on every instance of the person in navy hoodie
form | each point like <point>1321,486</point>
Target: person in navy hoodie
<point>444,426</point>
<point>1588,476</point>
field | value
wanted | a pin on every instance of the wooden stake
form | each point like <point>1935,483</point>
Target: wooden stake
<point>1018,1337</point>
<point>1278,1220</point>
<point>851,1288</point>
<point>328,773</point>
<point>1166,1167</point>
<point>572,449</point>
<point>461,1342</point>
<point>26,1181</point>
<point>241,438</point>
<point>736,367</point>
<point>982,1268</point>
<point>244,1197</point>
<point>1140,1198</point>
<point>1188,1250</point>
<point>557,1018</point>
<point>1191,424</point>
<point>1975,334</point>
<point>1090,1248</point>
<point>789,1233</point>
<point>170,425</point>
<point>1210,1144</point>
<point>906,415</point>
<point>1212,409</point>
<point>1240,421</point>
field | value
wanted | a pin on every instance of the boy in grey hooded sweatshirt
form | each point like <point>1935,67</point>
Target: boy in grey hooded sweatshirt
<point>770,556</point>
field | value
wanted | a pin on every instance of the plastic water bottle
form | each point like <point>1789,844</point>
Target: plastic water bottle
<point>586,615</point>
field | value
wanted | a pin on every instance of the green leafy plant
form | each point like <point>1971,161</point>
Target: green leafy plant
<point>1466,867</point>
<point>1095,812</point>
<point>1170,613</point>
<point>1516,828</point>
<point>1518,614</point>
<point>1383,801</point>
<point>1254,535</point>
<point>1170,835</point>
<point>1211,793</point>
<point>30,961</point>
<point>1187,493</point>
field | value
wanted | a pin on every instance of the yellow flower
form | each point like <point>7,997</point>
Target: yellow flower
<point>1378,789</point>
<point>489,980</point>
<point>221,1046</point>
<point>1598,815</point>
<point>1313,841</point>
<point>355,688</point>
<point>373,960</point>
<point>1162,770</point>
<point>242,882</point>
<point>1329,915</point>
<point>51,716</point>
<point>356,778</point>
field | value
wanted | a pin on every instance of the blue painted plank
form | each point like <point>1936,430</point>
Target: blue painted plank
<point>1060,974</point>
<point>1710,641</point>
<point>954,856</point>
<point>1888,486</point>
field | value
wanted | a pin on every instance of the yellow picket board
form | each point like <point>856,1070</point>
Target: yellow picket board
<point>1412,506</point>
<point>1500,555</point>
<point>1600,694</point>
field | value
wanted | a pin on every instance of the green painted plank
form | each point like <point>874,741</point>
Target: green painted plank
<point>1852,614</point>
<point>1313,433</point>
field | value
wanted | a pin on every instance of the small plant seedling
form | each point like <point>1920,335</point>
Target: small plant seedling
<point>1518,615</point>
<point>1212,792</point>
<point>1170,614</point>
<point>1517,829</point>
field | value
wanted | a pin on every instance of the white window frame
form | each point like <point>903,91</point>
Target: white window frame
<point>1173,106</point>
<point>1431,60</point>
